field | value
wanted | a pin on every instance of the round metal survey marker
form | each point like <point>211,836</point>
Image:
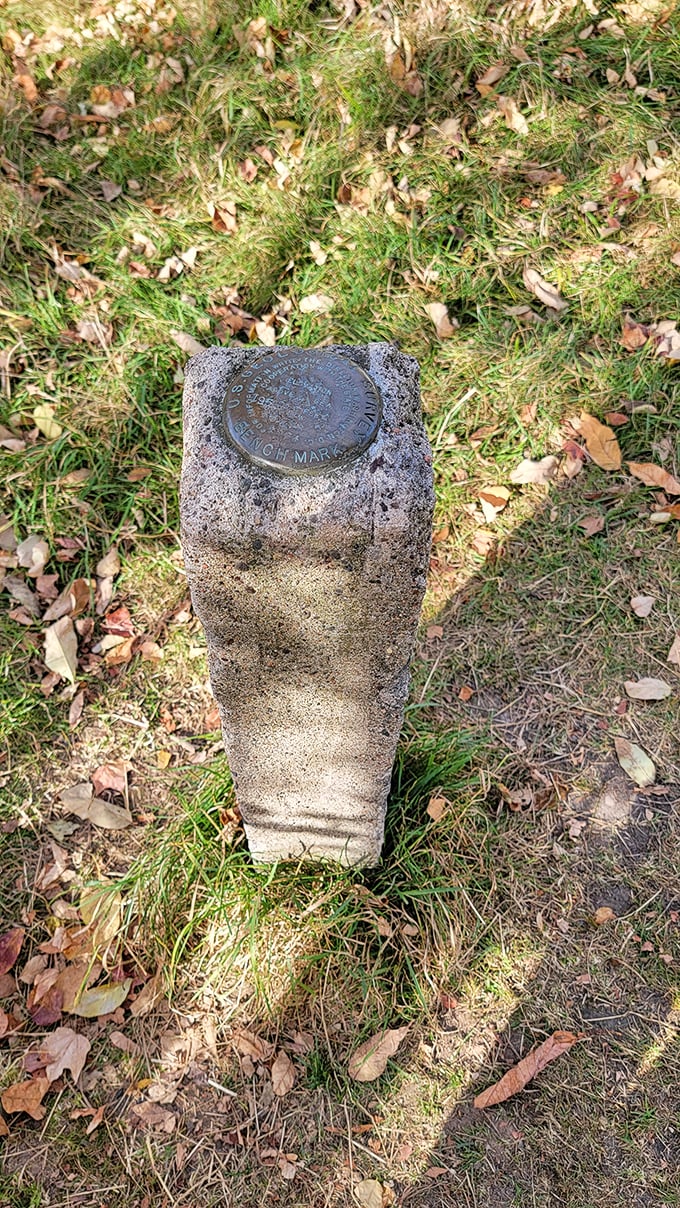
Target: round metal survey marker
<point>301,411</point>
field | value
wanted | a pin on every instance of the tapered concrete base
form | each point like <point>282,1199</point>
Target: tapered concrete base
<point>309,589</point>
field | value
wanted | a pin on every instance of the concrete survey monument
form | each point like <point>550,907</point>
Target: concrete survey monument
<point>306,506</point>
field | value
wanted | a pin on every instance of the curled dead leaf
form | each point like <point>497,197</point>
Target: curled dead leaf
<point>517,1078</point>
<point>439,314</point>
<point>546,293</point>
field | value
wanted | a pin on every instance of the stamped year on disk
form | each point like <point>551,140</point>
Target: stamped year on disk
<point>301,411</point>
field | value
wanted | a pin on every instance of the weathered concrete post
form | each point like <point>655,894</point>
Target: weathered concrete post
<point>306,505</point>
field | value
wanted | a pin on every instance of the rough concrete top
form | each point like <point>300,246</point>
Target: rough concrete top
<point>225,498</point>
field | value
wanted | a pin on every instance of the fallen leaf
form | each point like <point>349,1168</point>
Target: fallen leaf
<point>26,1097</point>
<point>547,294</point>
<point>43,418</point>
<point>534,471</point>
<point>633,335</point>
<point>635,762</point>
<point>250,1045</point>
<point>616,419</point>
<point>517,1078</point>
<point>654,476</point>
<point>591,525</point>
<point>603,914</point>
<point>152,1115</point>
<point>80,800</point>
<point>32,554</point>
<point>642,605</point>
<point>124,1043</point>
<point>76,709</point>
<point>187,343</point>
<point>110,190</point>
<point>65,1050</point>
<point>436,807</point>
<point>516,121</point>
<point>484,83</point>
<point>318,304</point>
<point>319,256</point>
<point>370,1059</point>
<point>101,1000</point>
<point>493,500</point>
<point>283,1074</point>
<point>440,317</point>
<point>601,442</point>
<point>111,776</point>
<point>223,217</point>
<point>369,1193</point>
<point>434,1172</point>
<point>673,655</point>
<point>10,947</point>
<point>101,910</point>
<point>21,592</point>
<point>148,998</point>
<point>647,689</point>
<point>61,649</point>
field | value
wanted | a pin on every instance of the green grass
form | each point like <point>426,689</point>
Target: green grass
<point>540,628</point>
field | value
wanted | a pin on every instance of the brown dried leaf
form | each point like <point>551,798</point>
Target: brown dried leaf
<point>26,1097</point>
<point>633,334</point>
<point>61,649</point>
<point>547,294</point>
<point>642,605</point>
<point>64,1049</point>
<point>32,554</point>
<point>152,1115</point>
<point>111,776</point>
<point>250,1045</point>
<point>517,1078</point>
<point>516,121</point>
<point>10,947</point>
<point>601,442</point>
<point>484,83</point>
<point>673,655</point>
<point>654,476</point>
<point>436,807</point>
<point>186,342</point>
<point>283,1074</point>
<point>591,525</point>
<point>647,689</point>
<point>603,914</point>
<point>370,1059</point>
<point>439,314</point>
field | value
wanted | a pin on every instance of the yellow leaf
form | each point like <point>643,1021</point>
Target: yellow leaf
<point>43,418</point>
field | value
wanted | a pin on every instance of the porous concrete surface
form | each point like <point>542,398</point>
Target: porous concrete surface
<point>309,590</point>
